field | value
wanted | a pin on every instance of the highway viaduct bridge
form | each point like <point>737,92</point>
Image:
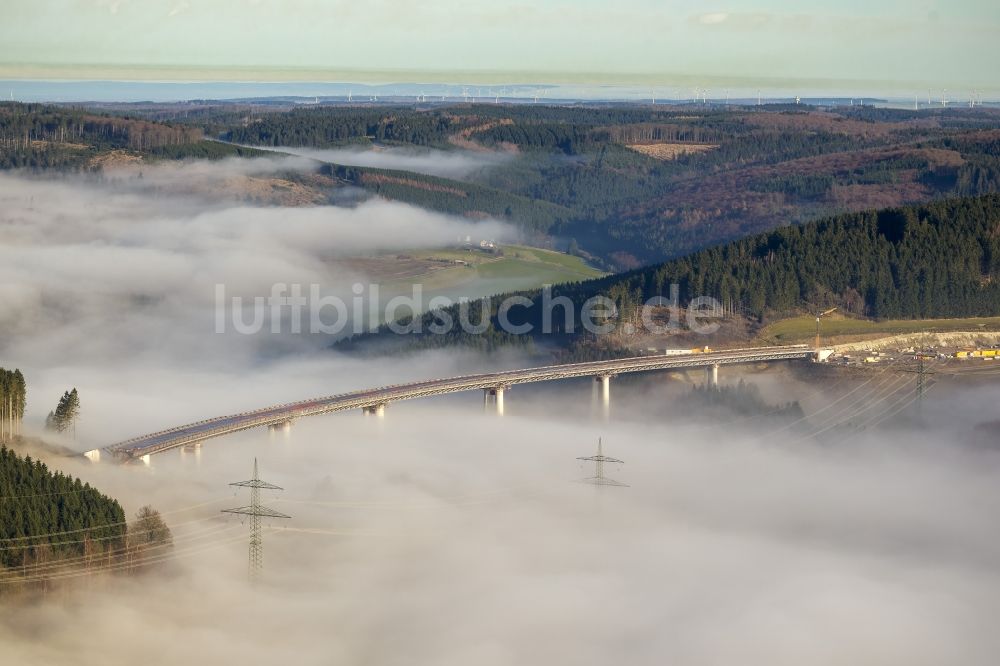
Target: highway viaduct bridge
<point>493,385</point>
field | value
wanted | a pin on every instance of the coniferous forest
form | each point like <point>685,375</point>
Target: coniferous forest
<point>940,259</point>
<point>55,526</point>
<point>48,515</point>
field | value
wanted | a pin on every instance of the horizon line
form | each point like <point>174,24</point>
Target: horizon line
<point>251,74</point>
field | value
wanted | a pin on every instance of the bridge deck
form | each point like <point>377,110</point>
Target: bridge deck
<point>223,425</point>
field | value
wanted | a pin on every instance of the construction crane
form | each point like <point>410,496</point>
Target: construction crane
<point>818,317</point>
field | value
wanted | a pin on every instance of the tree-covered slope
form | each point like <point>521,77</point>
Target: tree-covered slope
<point>46,515</point>
<point>638,183</point>
<point>935,260</point>
<point>624,184</point>
<point>42,136</point>
<point>453,197</point>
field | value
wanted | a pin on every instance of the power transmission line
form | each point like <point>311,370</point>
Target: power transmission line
<point>599,479</point>
<point>255,510</point>
<point>124,566</point>
<point>109,560</point>
<point>103,525</point>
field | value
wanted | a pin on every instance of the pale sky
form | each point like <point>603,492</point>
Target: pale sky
<point>903,41</point>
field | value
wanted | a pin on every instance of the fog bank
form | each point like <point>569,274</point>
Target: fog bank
<point>110,286</point>
<point>431,162</point>
<point>444,535</point>
<point>440,537</point>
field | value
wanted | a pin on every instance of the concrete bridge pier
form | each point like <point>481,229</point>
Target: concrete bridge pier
<point>603,383</point>
<point>494,396</point>
<point>378,411</point>
<point>284,426</point>
<point>283,430</point>
<point>712,375</point>
<point>193,448</point>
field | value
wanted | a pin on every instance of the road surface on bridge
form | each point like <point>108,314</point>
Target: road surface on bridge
<point>139,447</point>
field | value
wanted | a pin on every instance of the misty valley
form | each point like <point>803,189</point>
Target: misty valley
<point>494,364</point>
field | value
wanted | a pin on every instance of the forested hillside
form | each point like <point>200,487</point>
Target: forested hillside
<point>638,183</point>
<point>623,184</point>
<point>48,516</point>
<point>340,126</point>
<point>456,198</point>
<point>39,136</point>
<point>54,528</point>
<point>936,260</point>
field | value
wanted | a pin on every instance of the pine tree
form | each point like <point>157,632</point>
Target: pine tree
<point>66,412</point>
<point>13,397</point>
<point>72,410</point>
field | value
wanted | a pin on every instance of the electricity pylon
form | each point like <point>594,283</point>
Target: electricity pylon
<point>599,479</point>
<point>921,372</point>
<point>255,510</point>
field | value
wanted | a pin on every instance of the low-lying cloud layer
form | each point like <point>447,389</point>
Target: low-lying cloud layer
<point>440,537</point>
<point>443,535</point>
<point>446,164</point>
<point>117,278</point>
